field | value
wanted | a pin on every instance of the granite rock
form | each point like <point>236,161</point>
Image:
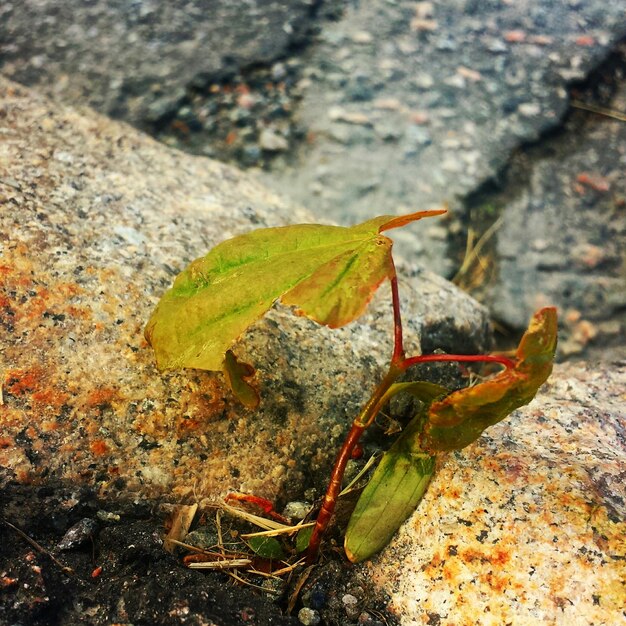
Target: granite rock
<point>95,220</point>
<point>135,60</point>
<point>526,525</point>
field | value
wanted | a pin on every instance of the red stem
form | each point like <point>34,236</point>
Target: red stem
<point>398,343</point>
<point>473,358</point>
<point>332,492</point>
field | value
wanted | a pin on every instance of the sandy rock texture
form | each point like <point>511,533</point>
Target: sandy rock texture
<point>135,59</point>
<point>95,220</point>
<point>527,525</point>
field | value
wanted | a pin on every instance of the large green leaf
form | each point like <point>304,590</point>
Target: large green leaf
<point>395,489</point>
<point>397,485</point>
<point>460,418</point>
<point>329,273</point>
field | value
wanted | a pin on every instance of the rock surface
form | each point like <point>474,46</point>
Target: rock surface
<point>389,105</point>
<point>563,232</point>
<point>527,525</point>
<point>136,59</point>
<point>95,220</point>
<point>416,103</point>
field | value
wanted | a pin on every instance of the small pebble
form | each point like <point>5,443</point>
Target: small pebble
<point>271,141</point>
<point>309,617</point>
<point>107,516</point>
<point>296,510</point>
<point>362,37</point>
<point>78,534</point>
<point>351,604</point>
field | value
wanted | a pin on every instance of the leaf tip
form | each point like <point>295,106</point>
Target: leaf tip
<point>403,220</point>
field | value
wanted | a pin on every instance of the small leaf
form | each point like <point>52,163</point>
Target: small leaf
<point>329,273</point>
<point>395,489</point>
<point>266,547</point>
<point>460,418</point>
<point>236,374</point>
<point>422,390</point>
<point>302,539</point>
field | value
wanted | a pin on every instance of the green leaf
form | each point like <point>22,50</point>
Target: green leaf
<point>460,418</point>
<point>422,390</point>
<point>329,273</point>
<point>395,489</point>
<point>266,547</point>
<point>302,539</point>
<point>236,373</point>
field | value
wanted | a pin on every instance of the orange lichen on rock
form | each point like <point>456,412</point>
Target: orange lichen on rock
<point>21,381</point>
<point>101,396</point>
<point>51,397</point>
<point>99,447</point>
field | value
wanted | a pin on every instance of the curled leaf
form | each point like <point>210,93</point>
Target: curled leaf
<point>236,374</point>
<point>459,419</point>
<point>302,539</point>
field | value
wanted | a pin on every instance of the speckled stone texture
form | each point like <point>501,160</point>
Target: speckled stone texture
<point>95,220</point>
<point>527,525</point>
<point>134,60</point>
<point>563,235</point>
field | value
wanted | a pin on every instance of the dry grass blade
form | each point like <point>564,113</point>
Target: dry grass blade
<point>288,530</point>
<point>188,546</point>
<point>592,108</point>
<point>38,547</point>
<point>181,522</point>
<point>228,564</point>
<point>360,475</point>
<point>243,581</point>
<point>472,253</point>
<point>218,526</point>
<point>262,522</point>
<point>289,568</point>
<point>276,574</point>
<point>296,592</point>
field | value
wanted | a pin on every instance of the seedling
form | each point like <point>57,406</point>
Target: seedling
<point>329,274</point>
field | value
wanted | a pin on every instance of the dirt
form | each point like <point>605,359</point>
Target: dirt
<point>119,572</point>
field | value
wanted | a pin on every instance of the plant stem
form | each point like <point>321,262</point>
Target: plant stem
<point>398,365</point>
<point>472,358</point>
<point>332,491</point>
<point>364,419</point>
<point>398,342</point>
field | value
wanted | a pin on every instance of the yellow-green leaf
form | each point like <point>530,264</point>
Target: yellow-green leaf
<point>460,418</point>
<point>329,273</point>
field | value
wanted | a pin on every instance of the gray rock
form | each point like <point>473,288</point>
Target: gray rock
<point>490,75</point>
<point>95,221</point>
<point>527,524</point>
<point>135,60</point>
<point>563,235</point>
<point>78,534</point>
